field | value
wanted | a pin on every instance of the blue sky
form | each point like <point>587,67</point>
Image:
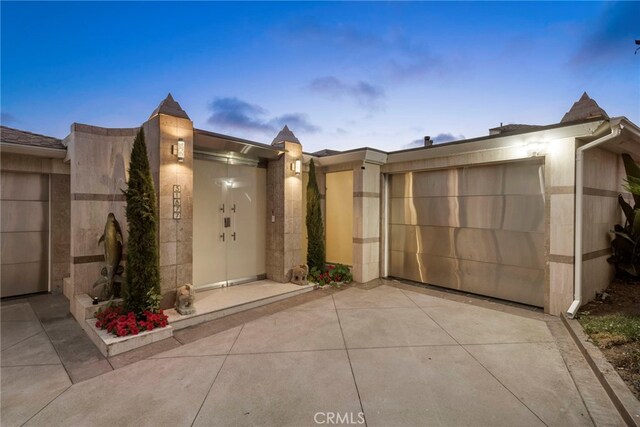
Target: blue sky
<point>341,75</point>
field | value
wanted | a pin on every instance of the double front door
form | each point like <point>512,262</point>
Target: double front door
<point>229,221</point>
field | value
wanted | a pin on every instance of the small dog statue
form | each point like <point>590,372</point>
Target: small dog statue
<point>185,297</point>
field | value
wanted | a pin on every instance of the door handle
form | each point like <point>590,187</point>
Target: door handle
<point>222,237</point>
<point>234,208</point>
<point>222,208</point>
<point>234,236</point>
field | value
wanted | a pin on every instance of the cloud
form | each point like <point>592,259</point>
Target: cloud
<point>309,30</point>
<point>238,115</point>
<point>397,52</point>
<point>296,121</point>
<point>438,139</point>
<point>233,113</point>
<point>7,118</point>
<point>611,35</point>
<point>364,93</point>
<point>446,137</point>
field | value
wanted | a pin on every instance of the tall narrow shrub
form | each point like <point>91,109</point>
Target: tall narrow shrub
<point>315,227</point>
<point>142,286</point>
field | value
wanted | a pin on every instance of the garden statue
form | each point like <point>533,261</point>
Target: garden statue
<point>299,275</point>
<point>185,297</point>
<point>110,274</point>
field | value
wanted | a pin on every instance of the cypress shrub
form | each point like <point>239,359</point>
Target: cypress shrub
<point>315,226</point>
<point>142,285</point>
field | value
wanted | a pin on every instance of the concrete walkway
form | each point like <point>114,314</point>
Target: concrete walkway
<point>390,356</point>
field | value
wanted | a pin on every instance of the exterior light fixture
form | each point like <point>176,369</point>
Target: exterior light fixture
<point>178,150</point>
<point>536,149</point>
<point>296,166</point>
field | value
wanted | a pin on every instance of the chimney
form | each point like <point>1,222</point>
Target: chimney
<point>428,142</point>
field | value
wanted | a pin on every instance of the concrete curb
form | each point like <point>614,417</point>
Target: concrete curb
<point>623,399</point>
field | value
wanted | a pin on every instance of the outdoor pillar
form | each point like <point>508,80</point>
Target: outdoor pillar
<point>169,126</point>
<point>284,208</point>
<point>366,222</point>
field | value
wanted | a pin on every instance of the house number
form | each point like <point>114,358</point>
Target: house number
<point>177,205</point>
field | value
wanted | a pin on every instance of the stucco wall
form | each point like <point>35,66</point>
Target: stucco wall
<point>602,184</point>
<point>99,163</point>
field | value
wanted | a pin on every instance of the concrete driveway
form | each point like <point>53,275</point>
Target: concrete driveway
<point>387,356</point>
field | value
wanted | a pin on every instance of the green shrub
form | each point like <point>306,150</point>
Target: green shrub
<point>315,226</point>
<point>331,275</point>
<point>142,286</point>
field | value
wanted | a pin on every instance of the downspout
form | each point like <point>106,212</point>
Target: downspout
<point>577,250</point>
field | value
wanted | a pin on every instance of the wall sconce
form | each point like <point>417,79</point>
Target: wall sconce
<point>178,150</point>
<point>296,167</point>
<point>536,149</point>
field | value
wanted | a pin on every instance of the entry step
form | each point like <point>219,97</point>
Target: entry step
<point>220,302</point>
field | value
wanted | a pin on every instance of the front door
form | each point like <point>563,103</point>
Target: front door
<point>229,220</point>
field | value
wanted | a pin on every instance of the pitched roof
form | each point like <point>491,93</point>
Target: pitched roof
<point>285,135</point>
<point>16,136</point>
<point>584,108</point>
<point>170,107</point>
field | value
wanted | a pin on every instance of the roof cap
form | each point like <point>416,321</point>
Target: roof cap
<point>170,107</point>
<point>285,135</point>
<point>584,108</point>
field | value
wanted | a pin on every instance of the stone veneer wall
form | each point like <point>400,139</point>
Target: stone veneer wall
<point>60,222</point>
<point>99,166</point>
<point>175,235</point>
<point>284,201</point>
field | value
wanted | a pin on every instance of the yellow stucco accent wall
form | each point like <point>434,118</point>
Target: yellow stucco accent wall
<point>339,232</point>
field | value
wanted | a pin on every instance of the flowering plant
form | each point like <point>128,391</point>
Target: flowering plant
<point>331,275</point>
<point>116,321</point>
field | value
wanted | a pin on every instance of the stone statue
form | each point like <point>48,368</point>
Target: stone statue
<point>299,274</point>
<point>185,297</point>
<point>110,281</point>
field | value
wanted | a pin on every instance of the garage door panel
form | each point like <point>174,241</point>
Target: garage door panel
<point>500,281</point>
<point>20,215</point>
<point>24,247</point>
<point>24,186</point>
<point>520,178</point>
<point>24,278</point>
<point>524,213</point>
<point>512,212</point>
<point>493,246</point>
<point>24,233</point>
<point>485,236</point>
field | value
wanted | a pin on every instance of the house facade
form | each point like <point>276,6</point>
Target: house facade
<point>519,214</point>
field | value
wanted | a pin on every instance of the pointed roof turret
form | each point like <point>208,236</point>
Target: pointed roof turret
<point>170,107</point>
<point>584,108</point>
<point>285,135</point>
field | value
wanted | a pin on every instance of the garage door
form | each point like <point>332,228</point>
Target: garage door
<point>24,228</point>
<point>478,229</point>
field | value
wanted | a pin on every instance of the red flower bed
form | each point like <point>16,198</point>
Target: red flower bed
<point>117,322</point>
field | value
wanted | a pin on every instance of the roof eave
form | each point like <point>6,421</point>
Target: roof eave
<point>33,150</point>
